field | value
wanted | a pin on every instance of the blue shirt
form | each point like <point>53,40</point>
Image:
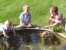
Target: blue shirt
<point>25,18</point>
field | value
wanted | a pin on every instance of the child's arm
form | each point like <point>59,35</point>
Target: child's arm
<point>4,33</point>
<point>14,31</point>
<point>51,20</point>
<point>20,17</point>
<point>51,25</point>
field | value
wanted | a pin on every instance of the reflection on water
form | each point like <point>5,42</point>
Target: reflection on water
<point>34,44</point>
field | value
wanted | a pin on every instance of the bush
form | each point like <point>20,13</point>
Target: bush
<point>58,28</point>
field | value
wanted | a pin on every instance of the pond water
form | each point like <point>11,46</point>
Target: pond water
<point>34,45</point>
<point>37,47</point>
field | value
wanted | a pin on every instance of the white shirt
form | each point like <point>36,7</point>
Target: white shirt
<point>1,27</point>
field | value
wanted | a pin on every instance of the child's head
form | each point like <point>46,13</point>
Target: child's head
<point>54,10</point>
<point>8,23</point>
<point>26,7</point>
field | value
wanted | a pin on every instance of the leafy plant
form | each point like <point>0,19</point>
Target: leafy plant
<point>58,28</point>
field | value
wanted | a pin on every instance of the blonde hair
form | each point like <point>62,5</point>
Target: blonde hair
<point>26,7</point>
<point>7,22</point>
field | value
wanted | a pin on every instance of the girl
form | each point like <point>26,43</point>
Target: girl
<point>55,18</point>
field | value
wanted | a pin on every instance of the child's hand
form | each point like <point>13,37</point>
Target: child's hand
<point>29,25</point>
<point>5,36</point>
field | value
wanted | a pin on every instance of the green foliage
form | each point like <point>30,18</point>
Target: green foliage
<point>11,9</point>
<point>58,28</point>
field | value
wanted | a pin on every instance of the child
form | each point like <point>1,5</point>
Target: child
<point>25,17</point>
<point>55,18</point>
<point>9,34</point>
<point>8,29</point>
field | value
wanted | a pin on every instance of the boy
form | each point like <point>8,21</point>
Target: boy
<point>9,34</point>
<point>8,28</point>
<point>25,17</point>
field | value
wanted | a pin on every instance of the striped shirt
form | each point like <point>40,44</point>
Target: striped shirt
<point>25,18</point>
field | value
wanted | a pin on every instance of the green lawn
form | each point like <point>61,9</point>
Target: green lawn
<point>11,9</point>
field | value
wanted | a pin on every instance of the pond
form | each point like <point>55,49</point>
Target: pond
<point>33,43</point>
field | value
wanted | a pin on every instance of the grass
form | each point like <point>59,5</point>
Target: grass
<point>11,9</point>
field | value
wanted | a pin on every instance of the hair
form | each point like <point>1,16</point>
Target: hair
<point>26,6</point>
<point>7,22</point>
<point>55,9</point>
